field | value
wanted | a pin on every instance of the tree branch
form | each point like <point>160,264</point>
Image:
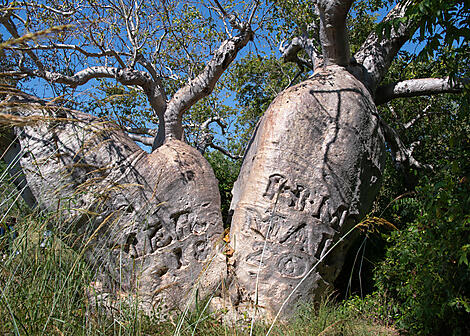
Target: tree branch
<point>152,90</point>
<point>232,18</point>
<point>377,52</point>
<point>206,139</point>
<point>54,46</point>
<point>54,10</point>
<point>333,31</point>
<point>420,115</point>
<point>10,26</point>
<point>225,152</point>
<point>141,138</point>
<point>125,76</point>
<point>290,52</point>
<point>418,87</point>
<point>401,155</point>
<point>141,131</point>
<point>203,84</point>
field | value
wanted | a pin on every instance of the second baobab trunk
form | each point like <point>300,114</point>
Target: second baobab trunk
<point>311,172</point>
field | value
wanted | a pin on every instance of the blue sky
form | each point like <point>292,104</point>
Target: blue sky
<point>42,89</point>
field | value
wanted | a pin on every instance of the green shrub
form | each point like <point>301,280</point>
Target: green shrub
<point>426,269</point>
<point>226,171</point>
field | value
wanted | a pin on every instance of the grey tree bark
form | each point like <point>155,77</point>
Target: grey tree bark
<point>310,173</point>
<point>151,223</point>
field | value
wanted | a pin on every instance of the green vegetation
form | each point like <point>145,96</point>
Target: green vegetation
<point>427,268</point>
<point>46,291</point>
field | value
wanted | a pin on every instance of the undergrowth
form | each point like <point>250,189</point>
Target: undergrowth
<point>45,290</point>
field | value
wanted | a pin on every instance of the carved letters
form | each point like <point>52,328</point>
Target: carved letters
<point>186,223</point>
<point>294,195</point>
<point>291,265</point>
<point>276,226</point>
<point>254,258</point>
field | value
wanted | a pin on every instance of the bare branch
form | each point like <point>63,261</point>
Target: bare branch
<point>232,18</point>
<point>290,52</point>
<point>377,52</point>
<point>333,31</point>
<point>11,27</point>
<point>253,11</point>
<point>125,76</point>
<point>53,10</point>
<point>418,87</point>
<point>152,89</point>
<point>225,152</point>
<point>148,141</point>
<point>401,155</point>
<point>141,131</point>
<point>220,121</point>
<point>205,137</point>
<point>204,83</point>
<point>55,46</point>
<point>413,121</point>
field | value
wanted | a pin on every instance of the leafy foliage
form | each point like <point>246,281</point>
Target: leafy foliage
<point>226,171</point>
<point>426,267</point>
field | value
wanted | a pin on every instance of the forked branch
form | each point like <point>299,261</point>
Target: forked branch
<point>401,154</point>
<point>203,84</point>
<point>289,52</point>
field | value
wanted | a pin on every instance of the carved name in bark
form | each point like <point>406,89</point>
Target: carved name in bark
<point>148,222</point>
<point>311,170</point>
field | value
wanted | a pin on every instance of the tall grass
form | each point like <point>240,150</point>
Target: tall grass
<point>46,288</point>
<point>46,291</point>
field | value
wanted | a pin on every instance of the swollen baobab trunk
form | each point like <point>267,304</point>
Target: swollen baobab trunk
<point>311,171</point>
<point>150,224</point>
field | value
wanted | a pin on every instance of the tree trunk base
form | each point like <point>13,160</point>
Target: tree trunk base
<point>311,172</point>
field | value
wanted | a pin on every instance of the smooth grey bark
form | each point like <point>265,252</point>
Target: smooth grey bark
<point>311,172</point>
<point>378,51</point>
<point>150,224</point>
<point>313,168</point>
<point>333,31</point>
<point>418,87</point>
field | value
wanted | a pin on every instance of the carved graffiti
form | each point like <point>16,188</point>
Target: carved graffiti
<point>298,231</point>
<point>276,225</point>
<point>186,223</point>
<point>295,195</point>
<point>291,265</point>
<point>275,184</point>
<point>254,258</point>
<point>198,227</point>
<point>159,237</point>
<point>182,224</point>
<point>201,250</point>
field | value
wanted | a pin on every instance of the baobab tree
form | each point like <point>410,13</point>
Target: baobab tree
<point>151,223</point>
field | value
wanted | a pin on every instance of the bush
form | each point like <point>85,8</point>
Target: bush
<point>426,269</point>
